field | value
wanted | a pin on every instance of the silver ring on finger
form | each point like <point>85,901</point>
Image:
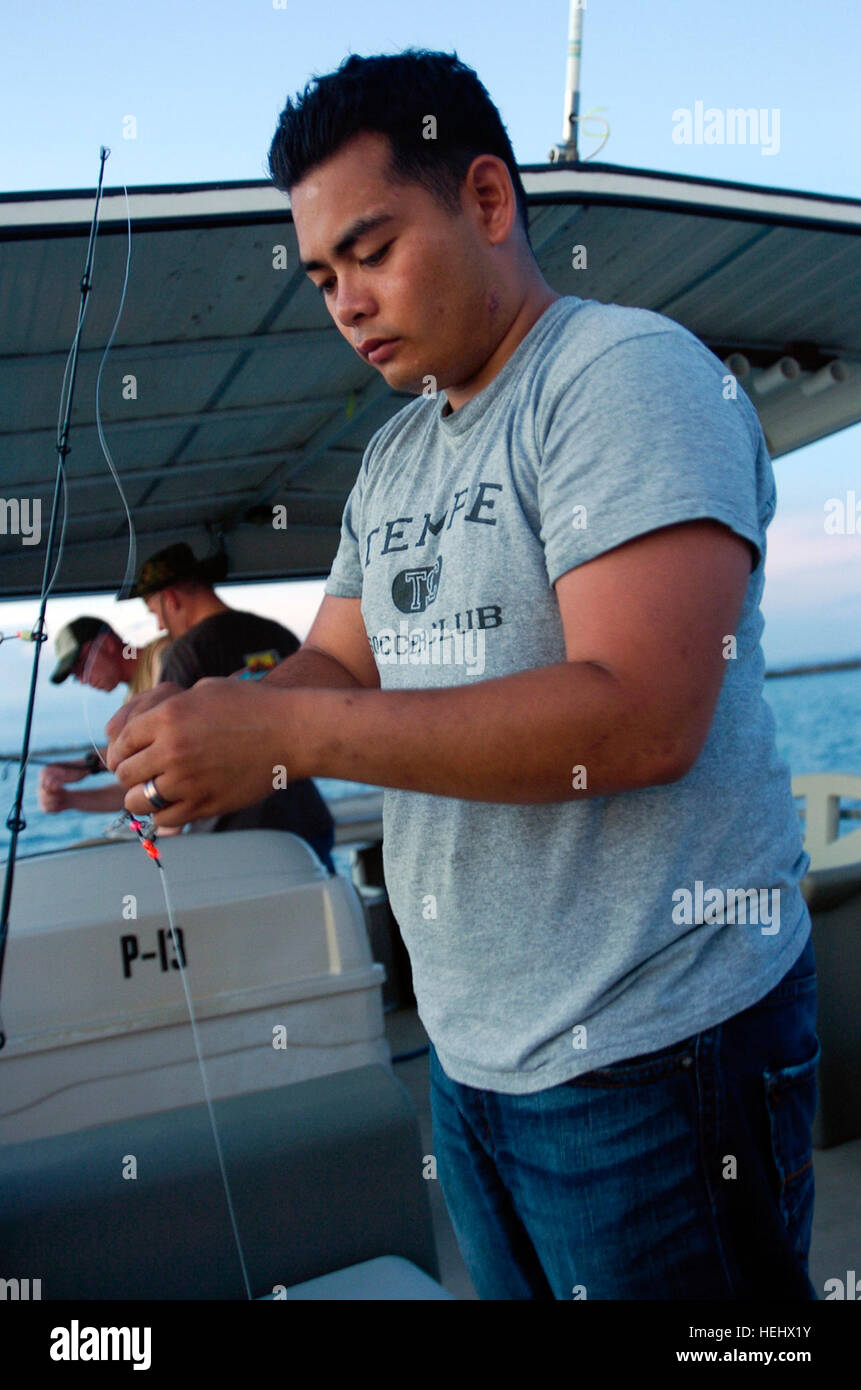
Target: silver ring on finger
<point>151,793</point>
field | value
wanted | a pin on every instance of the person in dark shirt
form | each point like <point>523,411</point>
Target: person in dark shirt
<point>211,639</point>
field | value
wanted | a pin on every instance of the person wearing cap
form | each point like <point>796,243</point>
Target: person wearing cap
<point>210,639</point>
<point>107,662</point>
<point>94,654</point>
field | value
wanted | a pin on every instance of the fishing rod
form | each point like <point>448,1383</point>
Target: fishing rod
<point>86,765</point>
<point>47,756</point>
<point>15,821</point>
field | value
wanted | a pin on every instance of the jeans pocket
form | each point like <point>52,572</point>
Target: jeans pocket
<point>678,1058</point>
<point>790,1098</point>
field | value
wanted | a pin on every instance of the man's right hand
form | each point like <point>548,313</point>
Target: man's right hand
<point>139,704</point>
<point>53,796</point>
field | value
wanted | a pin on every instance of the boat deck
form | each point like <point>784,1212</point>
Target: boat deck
<point>836,1244</point>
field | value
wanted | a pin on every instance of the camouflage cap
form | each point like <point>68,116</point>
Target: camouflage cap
<point>173,565</point>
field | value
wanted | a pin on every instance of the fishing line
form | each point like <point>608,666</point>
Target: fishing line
<point>152,850</point>
<point>148,844</point>
<point>131,560</point>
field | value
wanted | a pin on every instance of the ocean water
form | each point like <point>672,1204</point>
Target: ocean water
<point>817,719</point>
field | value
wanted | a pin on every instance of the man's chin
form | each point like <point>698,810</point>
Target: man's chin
<point>413,385</point>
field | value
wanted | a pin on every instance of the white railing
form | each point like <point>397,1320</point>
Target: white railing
<point>822,791</point>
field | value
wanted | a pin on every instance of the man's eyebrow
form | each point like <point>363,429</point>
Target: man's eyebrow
<point>357,229</point>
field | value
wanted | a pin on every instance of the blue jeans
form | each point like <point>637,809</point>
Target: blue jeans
<point>685,1173</point>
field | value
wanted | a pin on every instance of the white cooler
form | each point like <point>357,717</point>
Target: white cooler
<point>93,1007</point>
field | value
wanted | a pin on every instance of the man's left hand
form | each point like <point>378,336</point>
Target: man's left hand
<point>215,748</point>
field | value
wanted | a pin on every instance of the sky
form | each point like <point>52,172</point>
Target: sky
<point>205,84</point>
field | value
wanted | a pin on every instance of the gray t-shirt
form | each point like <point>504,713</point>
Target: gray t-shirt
<point>549,940</point>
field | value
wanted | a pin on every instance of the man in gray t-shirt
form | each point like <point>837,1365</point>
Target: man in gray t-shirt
<point>541,635</point>
<point>581,919</point>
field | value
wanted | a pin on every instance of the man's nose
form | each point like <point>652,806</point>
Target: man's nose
<point>353,303</point>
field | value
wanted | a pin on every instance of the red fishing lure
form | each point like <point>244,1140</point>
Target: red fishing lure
<point>151,849</point>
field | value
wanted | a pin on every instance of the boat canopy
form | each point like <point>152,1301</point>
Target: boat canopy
<point>228,391</point>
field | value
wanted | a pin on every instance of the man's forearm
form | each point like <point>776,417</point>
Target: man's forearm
<point>77,768</point>
<point>516,739</point>
<point>311,667</point>
<point>558,733</point>
<point>108,798</point>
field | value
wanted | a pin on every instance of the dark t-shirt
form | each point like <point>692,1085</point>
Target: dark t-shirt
<point>219,646</point>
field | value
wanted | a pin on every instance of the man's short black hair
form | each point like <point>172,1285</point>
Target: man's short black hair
<point>393,95</point>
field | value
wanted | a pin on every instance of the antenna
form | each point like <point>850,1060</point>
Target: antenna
<point>566,152</point>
